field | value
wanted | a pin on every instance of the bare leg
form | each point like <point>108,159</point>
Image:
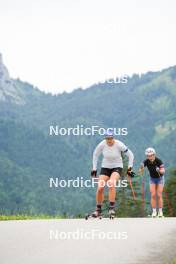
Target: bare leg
<point>100,190</point>
<point>153,195</point>
<point>159,195</point>
<point>112,186</point>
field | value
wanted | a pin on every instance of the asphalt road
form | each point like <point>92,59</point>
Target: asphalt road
<point>77,241</point>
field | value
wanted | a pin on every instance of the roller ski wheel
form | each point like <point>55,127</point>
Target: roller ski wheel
<point>150,216</point>
<point>155,215</point>
<point>111,214</point>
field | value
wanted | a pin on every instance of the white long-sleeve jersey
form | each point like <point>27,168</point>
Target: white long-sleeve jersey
<point>112,155</point>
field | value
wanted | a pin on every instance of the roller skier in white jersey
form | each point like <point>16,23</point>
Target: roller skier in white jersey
<point>111,169</point>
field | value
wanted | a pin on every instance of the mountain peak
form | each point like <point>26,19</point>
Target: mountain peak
<point>9,92</point>
<point>4,74</point>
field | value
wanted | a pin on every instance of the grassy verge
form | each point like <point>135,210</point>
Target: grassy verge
<point>28,217</point>
<point>174,262</point>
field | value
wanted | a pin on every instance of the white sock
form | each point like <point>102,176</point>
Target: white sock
<point>160,210</point>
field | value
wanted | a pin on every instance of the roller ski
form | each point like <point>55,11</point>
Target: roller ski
<point>155,215</point>
<point>95,215</point>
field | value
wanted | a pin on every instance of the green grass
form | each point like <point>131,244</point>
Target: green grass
<point>173,262</point>
<point>28,217</point>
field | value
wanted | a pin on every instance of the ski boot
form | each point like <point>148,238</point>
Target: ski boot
<point>154,214</point>
<point>160,214</point>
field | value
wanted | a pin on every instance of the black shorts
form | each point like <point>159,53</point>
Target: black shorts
<point>108,172</point>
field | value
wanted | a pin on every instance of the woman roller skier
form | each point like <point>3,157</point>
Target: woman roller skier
<point>156,170</point>
<point>111,169</point>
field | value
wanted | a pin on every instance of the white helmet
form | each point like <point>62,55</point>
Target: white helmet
<point>150,151</point>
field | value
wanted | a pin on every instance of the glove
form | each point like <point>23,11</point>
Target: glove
<point>94,173</point>
<point>130,172</point>
<point>160,171</point>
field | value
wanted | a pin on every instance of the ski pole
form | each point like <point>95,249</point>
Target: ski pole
<point>143,198</point>
<point>132,189</point>
<point>142,191</point>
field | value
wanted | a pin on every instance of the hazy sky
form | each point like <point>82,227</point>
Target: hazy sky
<point>60,45</point>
